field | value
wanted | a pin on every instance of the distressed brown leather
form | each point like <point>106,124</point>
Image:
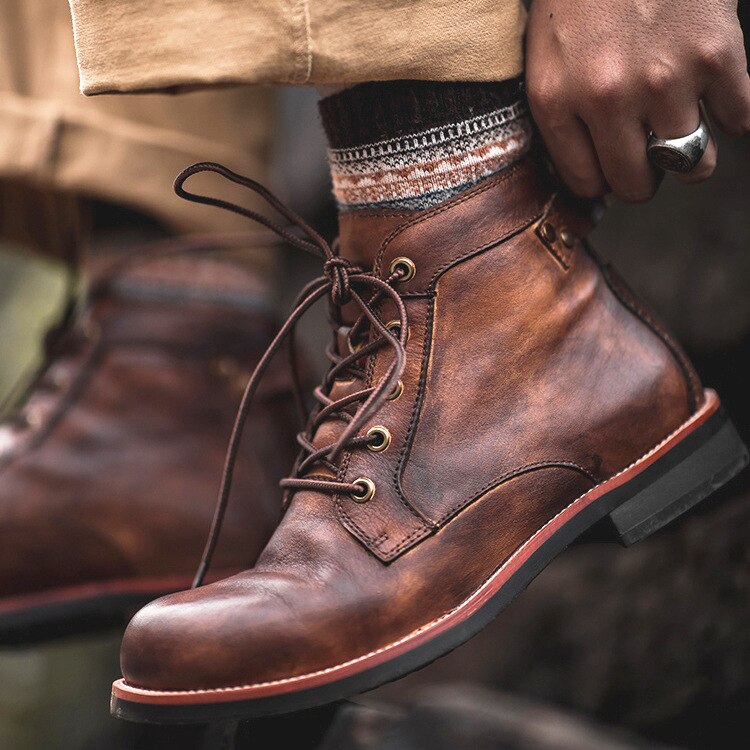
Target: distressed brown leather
<point>110,470</point>
<point>529,379</point>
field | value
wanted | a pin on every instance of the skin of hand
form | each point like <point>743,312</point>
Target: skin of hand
<point>602,74</point>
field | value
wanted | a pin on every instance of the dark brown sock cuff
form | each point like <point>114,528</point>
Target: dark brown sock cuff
<point>377,111</point>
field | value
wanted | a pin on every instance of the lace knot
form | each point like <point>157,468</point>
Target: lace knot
<point>336,283</point>
<point>338,270</point>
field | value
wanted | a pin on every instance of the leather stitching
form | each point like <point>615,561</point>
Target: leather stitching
<point>438,620</point>
<point>410,430</point>
<point>512,474</point>
<point>468,195</point>
<point>484,248</point>
<point>344,516</point>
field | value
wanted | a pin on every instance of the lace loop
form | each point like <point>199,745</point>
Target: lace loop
<point>343,283</point>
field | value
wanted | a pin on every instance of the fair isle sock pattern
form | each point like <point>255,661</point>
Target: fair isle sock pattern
<point>425,168</point>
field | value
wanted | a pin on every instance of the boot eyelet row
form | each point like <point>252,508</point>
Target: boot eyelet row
<point>384,438</point>
<point>368,490</point>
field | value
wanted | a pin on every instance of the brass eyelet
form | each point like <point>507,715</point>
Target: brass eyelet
<point>394,326</point>
<point>406,265</point>
<point>354,348</point>
<point>384,435</point>
<point>396,392</point>
<point>368,490</point>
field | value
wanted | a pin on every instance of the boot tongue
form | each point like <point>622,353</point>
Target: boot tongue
<point>361,235</point>
<point>330,430</point>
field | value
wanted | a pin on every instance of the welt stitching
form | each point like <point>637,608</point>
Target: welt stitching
<point>512,474</point>
<point>444,616</point>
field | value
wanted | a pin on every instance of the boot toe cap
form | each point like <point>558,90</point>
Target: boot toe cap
<point>228,634</point>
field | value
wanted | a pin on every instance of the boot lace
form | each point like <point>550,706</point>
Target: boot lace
<point>343,283</point>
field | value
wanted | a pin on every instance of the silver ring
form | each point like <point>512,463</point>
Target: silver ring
<point>679,154</point>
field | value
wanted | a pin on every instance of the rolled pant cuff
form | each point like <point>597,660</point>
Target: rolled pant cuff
<point>109,158</point>
<point>143,45</point>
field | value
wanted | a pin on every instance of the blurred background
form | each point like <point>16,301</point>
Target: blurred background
<point>609,648</point>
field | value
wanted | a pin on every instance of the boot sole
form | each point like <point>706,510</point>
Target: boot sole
<point>28,619</point>
<point>688,466</point>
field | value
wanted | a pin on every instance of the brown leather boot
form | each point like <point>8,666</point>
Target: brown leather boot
<point>537,397</point>
<point>109,472</point>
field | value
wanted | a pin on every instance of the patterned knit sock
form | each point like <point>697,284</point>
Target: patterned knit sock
<point>412,144</point>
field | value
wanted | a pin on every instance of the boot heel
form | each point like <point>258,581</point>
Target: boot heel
<point>719,455</point>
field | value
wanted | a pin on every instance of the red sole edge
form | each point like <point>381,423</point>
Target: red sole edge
<point>121,690</point>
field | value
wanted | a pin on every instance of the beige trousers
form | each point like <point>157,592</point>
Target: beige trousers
<point>146,45</point>
<point>125,150</point>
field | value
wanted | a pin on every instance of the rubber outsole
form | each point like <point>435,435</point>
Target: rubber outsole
<point>696,465</point>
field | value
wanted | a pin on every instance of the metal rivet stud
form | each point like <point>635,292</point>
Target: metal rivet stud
<point>367,487</point>
<point>548,232</point>
<point>567,237</point>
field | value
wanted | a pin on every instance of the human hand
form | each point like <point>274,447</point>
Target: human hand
<point>602,74</point>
